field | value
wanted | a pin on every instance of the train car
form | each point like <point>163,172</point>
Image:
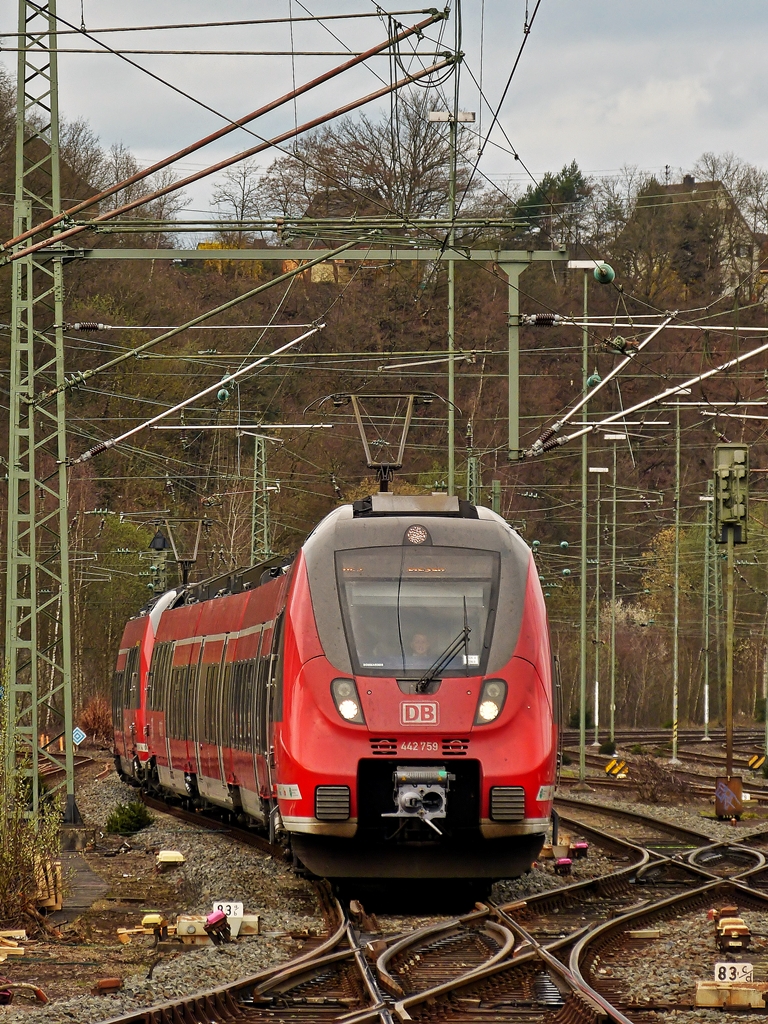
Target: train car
<point>129,688</point>
<point>385,701</point>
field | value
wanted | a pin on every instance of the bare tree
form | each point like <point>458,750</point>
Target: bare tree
<point>237,195</point>
<point>84,168</point>
<point>397,165</point>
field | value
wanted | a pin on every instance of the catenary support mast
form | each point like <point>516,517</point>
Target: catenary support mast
<point>261,531</point>
<point>37,647</point>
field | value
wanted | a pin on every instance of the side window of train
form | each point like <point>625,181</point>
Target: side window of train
<point>132,677</point>
<point>202,705</point>
<point>154,668</point>
<point>165,683</point>
<point>117,699</point>
<point>194,698</point>
<point>209,704</point>
<point>176,703</point>
<point>257,713</point>
<point>250,702</point>
<point>233,715</point>
<point>224,706</point>
<point>277,669</point>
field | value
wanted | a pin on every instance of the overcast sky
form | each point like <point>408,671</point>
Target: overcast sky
<point>606,84</point>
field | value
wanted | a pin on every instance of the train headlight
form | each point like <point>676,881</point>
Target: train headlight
<point>492,697</point>
<point>344,693</point>
<point>349,710</point>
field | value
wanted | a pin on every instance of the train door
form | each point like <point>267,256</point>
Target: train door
<point>181,699</point>
<point>158,686</point>
<point>193,714</point>
<point>118,705</point>
<point>131,688</point>
<point>260,706</point>
<point>208,700</point>
<point>243,716</point>
<point>220,711</point>
<point>275,696</point>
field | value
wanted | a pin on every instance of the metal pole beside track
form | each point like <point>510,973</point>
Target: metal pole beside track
<point>599,470</point>
<point>729,658</point>
<point>583,609</point>
<point>676,583</point>
<point>615,438</point>
<point>705,611</point>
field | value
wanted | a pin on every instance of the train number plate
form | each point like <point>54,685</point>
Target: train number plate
<point>421,712</point>
<point>734,972</point>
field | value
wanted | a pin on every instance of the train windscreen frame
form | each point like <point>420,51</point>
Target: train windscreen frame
<point>403,607</point>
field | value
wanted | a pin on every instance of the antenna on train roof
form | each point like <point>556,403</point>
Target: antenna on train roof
<point>385,470</point>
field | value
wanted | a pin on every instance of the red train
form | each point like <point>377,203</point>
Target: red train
<point>386,699</point>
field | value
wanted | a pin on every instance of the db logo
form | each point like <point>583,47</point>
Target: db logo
<point>421,713</point>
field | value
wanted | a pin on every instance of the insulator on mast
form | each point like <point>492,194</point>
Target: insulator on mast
<point>541,319</point>
<point>87,325</point>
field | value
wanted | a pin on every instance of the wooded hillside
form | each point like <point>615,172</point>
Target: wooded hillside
<point>695,244</point>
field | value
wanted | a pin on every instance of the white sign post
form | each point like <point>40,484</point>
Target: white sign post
<point>734,972</point>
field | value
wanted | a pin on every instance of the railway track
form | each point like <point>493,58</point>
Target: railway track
<point>700,783</point>
<point>50,771</point>
<point>582,953</point>
<point>214,824</point>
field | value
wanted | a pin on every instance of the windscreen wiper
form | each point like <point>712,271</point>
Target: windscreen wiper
<point>450,652</point>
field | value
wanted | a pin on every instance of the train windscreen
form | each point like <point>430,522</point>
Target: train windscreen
<point>406,608</point>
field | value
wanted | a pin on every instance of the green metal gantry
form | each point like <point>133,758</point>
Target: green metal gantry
<point>261,531</point>
<point>37,626</point>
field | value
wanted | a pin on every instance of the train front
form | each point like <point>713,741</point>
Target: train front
<point>416,736</point>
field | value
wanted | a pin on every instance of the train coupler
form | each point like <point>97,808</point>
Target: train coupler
<point>421,792</point>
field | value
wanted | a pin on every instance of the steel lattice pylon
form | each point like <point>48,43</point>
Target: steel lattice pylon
<point>261,533</point>
<point>37,635</point>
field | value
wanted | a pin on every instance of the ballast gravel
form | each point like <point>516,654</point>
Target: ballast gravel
<point>175,975</point>
<point>216,868</point>
<point>689,816</point>
<point>684,953</point>
<point>542,876</point>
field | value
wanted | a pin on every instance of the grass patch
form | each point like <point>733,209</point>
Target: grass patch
<point>28,845</point>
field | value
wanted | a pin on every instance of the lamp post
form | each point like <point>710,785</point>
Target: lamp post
<point>599,470</point>
<point>615,438</point>
<point>453,117</point>
<point>583,580</point>
<point>676,583</point>
<point>603,274</point>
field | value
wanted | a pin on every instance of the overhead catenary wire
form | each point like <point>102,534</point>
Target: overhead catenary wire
<point>106,445</point>
<point>656,399</point>
<point>220,133</point>
<point>226,24</point>
<point>243,426</point>
<point>559,424</point>
<point>12,255</point>
<point>80,378</point>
